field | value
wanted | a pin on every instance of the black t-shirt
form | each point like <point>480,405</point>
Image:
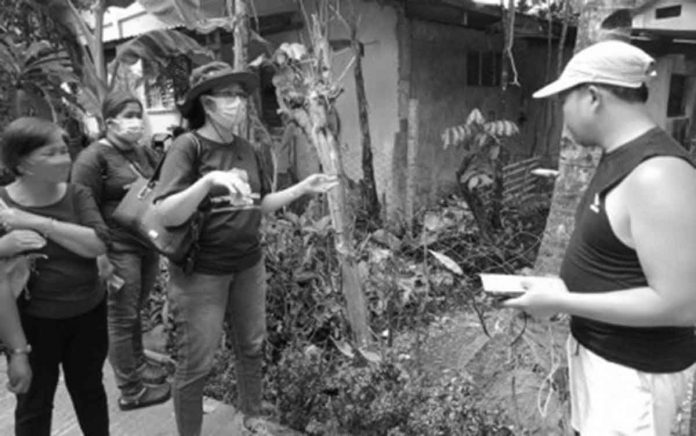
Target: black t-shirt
<point>230,239</point>
<point>64,284</point>
<point>108,172</point>
<point>597,261</point>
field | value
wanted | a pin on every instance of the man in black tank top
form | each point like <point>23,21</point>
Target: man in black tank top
<point>630,266</point>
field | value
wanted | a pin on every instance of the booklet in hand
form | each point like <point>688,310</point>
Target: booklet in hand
<point>510,286</point>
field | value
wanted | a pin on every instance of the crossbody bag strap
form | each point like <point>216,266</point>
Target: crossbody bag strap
<point>133,165</point>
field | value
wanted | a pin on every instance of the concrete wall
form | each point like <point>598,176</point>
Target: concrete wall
<point>685,21</point>
<point>438,80</point>
<point>659,91</point>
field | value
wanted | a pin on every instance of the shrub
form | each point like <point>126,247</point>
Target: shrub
<point>319,395</point>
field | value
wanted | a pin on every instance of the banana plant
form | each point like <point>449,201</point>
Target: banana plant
<point>86,47</point>
<point>36,75</point>
<point>480,165</point>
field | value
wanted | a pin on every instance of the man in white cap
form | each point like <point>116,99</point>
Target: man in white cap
<point>630,266</point>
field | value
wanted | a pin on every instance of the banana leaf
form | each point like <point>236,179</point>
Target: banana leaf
<point>157,47</point>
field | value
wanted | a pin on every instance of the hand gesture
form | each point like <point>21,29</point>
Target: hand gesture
<point>20,241</point>
<point>235,180</point>
<point>18,373</point>
<point>105,268</point>
<point>319,183</point>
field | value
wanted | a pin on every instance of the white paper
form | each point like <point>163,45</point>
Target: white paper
<point>512,284</point>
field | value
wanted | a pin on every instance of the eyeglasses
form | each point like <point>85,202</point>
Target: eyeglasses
<point>234,93</point>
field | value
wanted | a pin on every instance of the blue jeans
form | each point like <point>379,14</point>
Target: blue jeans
<point>201,302</point>
<point>139,267</point>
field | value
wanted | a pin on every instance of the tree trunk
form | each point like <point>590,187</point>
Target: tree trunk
<point>324,141</point>
<point>241,54</point>
<point>576,163</point>
<point>369,185</point>
<point>98,49</point>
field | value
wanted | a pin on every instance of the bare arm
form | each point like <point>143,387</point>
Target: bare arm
<point>274,201</point>
<point>313,184</point>
<point>11,332</point>
<point>76,238</point>
<point>177,208</point>
<point>79,239</point>
<point>661,202</point>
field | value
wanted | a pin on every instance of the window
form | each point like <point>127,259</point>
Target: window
<point>676,104</point>
<point>483,68</point>
<point>159,93</point>
<point>163,91</point>
<point>668,12</point>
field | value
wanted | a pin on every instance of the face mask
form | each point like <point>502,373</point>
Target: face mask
<point>129,129</point>
<point>55,169</point>
<point>229,111</point>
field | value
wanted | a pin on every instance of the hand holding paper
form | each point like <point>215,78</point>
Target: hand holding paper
<point>542,297</point>
<point>538,296</point>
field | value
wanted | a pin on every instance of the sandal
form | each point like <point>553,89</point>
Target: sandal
<point>148,396</point>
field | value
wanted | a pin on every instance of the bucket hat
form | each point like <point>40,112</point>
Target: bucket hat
<point>213,75</point>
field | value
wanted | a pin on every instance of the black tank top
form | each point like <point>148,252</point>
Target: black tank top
<point>597,261</point>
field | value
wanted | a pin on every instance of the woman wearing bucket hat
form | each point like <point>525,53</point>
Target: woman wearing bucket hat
<point>215,171</point>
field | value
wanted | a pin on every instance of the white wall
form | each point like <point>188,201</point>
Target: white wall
<point>686,21</point>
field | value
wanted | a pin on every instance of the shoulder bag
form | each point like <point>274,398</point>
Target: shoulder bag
<point>137,212</point>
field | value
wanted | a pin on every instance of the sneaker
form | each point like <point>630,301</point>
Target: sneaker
<point>148,396</point>
<point>153,374</point>
<point>256,426</point>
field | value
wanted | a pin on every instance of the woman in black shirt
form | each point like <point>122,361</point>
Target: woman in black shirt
<point>62,310</point>
<point>108,167</point>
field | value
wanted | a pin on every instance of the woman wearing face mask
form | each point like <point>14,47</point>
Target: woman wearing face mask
<point>108,167</point>
<point>62,309</point>
<point>221,174</point>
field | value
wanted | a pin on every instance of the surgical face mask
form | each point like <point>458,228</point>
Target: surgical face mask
<point>49,163</point>
<point>129,129</point>
<point>229,112</point>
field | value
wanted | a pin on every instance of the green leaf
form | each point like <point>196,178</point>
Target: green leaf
<point>472,183</point>
<point>494,152</point>
<point>157,47</point>
<point>485,180</point>
<point>447,262</point>
<point>370,356</point>
<point>344,348</point>
<point>475,117</point>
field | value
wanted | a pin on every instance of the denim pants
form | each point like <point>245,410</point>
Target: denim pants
<point>138,266</point>
<point>78,344</point>
<point>201,303</point>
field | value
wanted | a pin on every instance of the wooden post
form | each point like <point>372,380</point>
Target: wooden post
<point>98,48</point>
<point>241,54</point>
<point>411,161</point>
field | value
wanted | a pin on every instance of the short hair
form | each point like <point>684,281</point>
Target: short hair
<point>21,137</point>
<point>116,101</point>
<point>626,94</point>
<point>629,95</point>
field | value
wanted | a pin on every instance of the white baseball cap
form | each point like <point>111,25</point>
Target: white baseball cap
<point>608,62</point>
